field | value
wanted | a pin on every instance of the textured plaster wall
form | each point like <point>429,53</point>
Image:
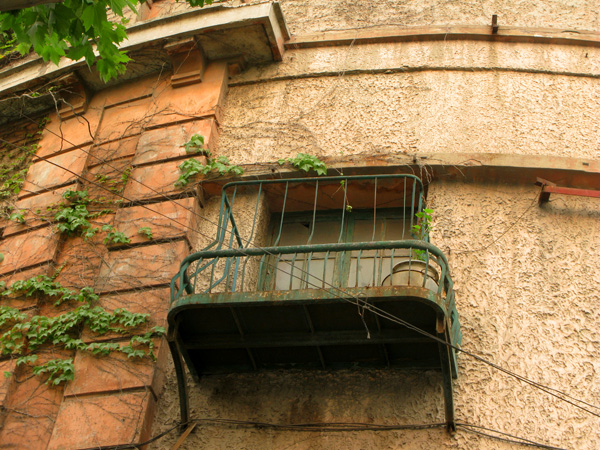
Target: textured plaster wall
<point>526,277</point>
<point>429,111</point>
<point>527,292</point>
<point>309,17</point>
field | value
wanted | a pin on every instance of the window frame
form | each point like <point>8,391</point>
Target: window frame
<point>342,260</point>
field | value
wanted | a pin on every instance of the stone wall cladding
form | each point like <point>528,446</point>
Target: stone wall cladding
<point>127,131</point>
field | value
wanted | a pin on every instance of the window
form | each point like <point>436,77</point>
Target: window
<point>354,268</point>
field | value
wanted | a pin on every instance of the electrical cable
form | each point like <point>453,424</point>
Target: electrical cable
<point>359,302</point>
<point>336,427</point>
<point>509,437</point>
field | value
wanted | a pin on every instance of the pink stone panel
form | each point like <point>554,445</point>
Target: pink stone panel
<point>156,181</point>
<point>124,148</point>
<point>161,144</point>
<point>32,408</point>
<point>23,302</point>
<point>34,210</point>
<point>102,420</point>
<point>166,220</point>
<point>6,367</point>
<point>62,135</point>
<point>28,249</point>
<point>57,171</point>
<point>127,119</point>
<point>128,92</point>
<point>105,182</point>
<point>115,372</point>
<point>193,101</point>
<point>138,267</point>
<point>80,259</point>
<point>154,302</point>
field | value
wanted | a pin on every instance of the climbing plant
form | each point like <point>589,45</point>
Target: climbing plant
<point>306,163</point>
<point>22,335</point>
<point>16,159</point>
<point>192,167</point>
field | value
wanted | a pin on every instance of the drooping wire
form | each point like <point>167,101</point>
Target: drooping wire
<point>561,395</point>
<point>337,427</point>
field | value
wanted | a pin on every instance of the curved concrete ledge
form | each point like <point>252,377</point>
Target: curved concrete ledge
<point>468,167</point>
<point>205,23</point>
<point>446,33</point>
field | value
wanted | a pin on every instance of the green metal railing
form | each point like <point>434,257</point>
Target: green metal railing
<point>310,243</point>
<point>236,262</point>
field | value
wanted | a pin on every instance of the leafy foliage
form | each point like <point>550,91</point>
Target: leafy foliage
<point>191,167</point>
<point>17,158</point>
<point>43,285</point>
<point>306,163</point>
<point>22,335</point>
<point>58,370</point>
<point>195,144</point>
<point>13,181</point>
<point>421,229</point>
<point>73,29</point>
<point>115,237</point>
<point>73,218</point>
<point>146,231</point>
<point>17,216</point>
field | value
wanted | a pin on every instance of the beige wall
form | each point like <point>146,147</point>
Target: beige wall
<point>526,276</point>
<point>527,292</point>
<point>309,17</point>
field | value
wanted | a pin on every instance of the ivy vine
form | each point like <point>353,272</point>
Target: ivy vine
<point>192,167</point>
<point>23,335</point>
<point>73,219</point>
<point>306,163</point>
<point>17,159</point>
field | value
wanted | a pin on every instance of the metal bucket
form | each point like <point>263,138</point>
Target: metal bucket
<point>413,272</point>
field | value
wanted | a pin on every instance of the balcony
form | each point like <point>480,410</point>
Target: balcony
<point>316,273</point>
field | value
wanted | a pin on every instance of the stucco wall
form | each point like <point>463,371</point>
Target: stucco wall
<point>527,292</point>
<point>527,287</point>
<point>526,277</point>
<point>428,111</point>
<point>310,17</point>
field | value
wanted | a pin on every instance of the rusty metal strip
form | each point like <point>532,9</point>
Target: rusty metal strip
<point>549,187</point>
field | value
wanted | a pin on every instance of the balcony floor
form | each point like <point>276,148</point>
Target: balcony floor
<point>232,332</point>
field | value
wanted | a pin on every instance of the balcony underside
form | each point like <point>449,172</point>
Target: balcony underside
<point>233,332</point>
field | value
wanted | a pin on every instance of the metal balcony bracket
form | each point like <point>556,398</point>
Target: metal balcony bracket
<point>548,187</point>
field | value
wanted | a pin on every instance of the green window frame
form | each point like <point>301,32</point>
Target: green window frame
<point>339,269</point>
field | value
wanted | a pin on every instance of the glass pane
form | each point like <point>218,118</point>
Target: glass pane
<point>306,274</point>
<point>289,270</point>
<point>366,268</point>
<point>396,229</point>
<point>367,230</point>
<point>319,274</point>
<point>326,233</point>
<point>311,272</point>
<point>294,233</point>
